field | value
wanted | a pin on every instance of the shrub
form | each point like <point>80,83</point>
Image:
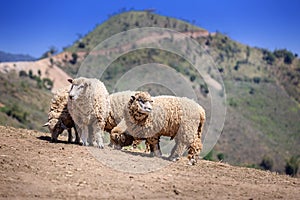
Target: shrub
<point>292,165</point>
<point>81,45</point>
<point>220,156</point>
<point>209,156</point>
<point>30,74</point>
<point>269,57</point>
<point>204,89</point>
<point>266,163</point>
<point>285,54</point>
<point>23,73</point>
<point>256,80</point>
<point>74,58</point>
<point>47,83</point>
<point>192,78</point>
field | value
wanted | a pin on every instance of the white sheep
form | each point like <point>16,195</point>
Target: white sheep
<point>180,118</point>
<point>89,107</point>
<point>59,118</point>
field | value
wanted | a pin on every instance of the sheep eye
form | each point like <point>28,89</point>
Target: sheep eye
<point>140,100</point>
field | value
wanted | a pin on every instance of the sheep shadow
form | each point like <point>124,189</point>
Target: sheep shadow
<point>48,138</point>
<point>145,155</point>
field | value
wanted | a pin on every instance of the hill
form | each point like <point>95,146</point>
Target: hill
<point>32,167</point>
<point>262,87</point>
<point>9,57</point>
<point>25,89</point>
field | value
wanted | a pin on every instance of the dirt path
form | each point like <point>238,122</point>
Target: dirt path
<point>33,168</point>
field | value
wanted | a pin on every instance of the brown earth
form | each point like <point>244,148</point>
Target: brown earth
<point>33,168</point>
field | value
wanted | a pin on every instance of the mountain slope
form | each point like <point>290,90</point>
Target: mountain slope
<point>261,89</point>
<point>32,167</point>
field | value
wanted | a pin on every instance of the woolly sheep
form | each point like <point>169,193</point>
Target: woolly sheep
<point>59,118</point>
<point>118,101</point>
<point>89,107</point>
<point>180,118</point>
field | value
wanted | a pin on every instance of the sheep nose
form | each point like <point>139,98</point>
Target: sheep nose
<point>147,106</point>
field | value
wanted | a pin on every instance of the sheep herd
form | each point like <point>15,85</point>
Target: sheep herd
<point>129,117</point>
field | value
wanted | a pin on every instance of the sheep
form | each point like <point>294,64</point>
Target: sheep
<point>59,118</point>
<point>89,107</point>
<point>118,101</point>
<point>120,138</point>
<point>179,118</point>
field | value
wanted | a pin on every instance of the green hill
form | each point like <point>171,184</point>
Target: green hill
<point>24,102</point>
<point>262,87</point>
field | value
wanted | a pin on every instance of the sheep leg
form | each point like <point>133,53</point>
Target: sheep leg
<point>194,150</point>
<point>77,138</point>
<point>90,138</point>
<point>99,140</point>
<point>154,146</point>
<point>84,135</point>
<point>70,138</point>
<point>177,150</point>
<point>98,134</point>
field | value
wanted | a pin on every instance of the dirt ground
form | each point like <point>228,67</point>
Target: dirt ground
<point>33,168</point>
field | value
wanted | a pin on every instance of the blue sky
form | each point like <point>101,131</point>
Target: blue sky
<point>33,26</point>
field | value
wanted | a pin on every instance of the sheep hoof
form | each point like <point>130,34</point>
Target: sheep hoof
<point>174,159</point>
<point>84,144</point>
<point>192,162</point>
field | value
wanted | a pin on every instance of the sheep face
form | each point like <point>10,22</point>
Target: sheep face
<point>78,88</point>
<point>55,129</point>
<point>119,139</point>
<point>140,105</point>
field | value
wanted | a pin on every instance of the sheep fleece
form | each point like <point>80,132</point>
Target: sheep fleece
<point>91,107</point>
<point>177,117</point>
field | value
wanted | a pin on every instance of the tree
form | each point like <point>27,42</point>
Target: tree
<point>52,50</point>
<point>30,74</point>
<point>74,58</point>
<point>22,73</point>
<point>39,72</point>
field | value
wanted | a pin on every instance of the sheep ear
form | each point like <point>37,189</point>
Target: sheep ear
<point>132,98</point>
<point>46,124</point>
<point>70,80</point>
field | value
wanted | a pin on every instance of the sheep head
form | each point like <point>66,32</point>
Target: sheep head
<point>78,88</point>
<point>140,105</point>
<point>55,127</point>
<point>119,139</point>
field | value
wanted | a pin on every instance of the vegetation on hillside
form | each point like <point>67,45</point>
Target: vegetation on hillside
<point>24,101</point>
<point>253,80</point>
